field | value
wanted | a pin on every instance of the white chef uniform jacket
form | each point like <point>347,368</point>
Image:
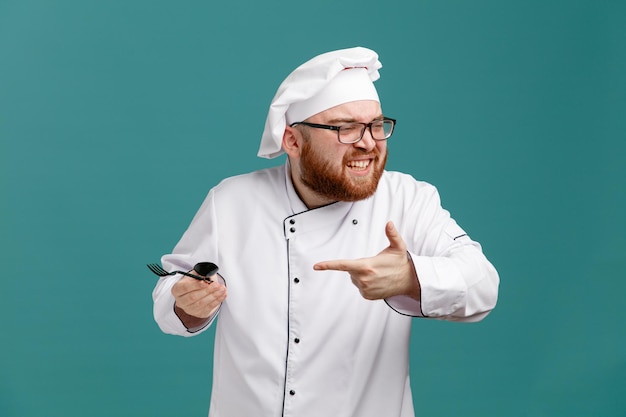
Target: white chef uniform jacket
<point>291,341</point>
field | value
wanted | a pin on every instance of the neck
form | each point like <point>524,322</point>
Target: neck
<point>310,198</point>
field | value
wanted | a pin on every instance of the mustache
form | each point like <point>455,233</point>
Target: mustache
<point>374,153</point>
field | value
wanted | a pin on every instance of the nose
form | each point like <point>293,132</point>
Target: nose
<point>366,143</point>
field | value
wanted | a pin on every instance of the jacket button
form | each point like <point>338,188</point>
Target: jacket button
<point>297,340</point>
<point>293,229</point>
<point>296,280</point>
<point>292,221</point>
<point>292,392</point>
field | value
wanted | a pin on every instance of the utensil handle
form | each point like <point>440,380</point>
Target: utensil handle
<point>198,277</point>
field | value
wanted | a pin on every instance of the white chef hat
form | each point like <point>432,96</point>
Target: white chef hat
<point>325,81</point>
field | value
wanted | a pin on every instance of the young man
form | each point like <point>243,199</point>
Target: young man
<point>327,258</point>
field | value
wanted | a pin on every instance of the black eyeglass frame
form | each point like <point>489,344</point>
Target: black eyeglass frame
<point>338,128</point>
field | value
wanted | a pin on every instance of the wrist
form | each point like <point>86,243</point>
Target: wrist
<point>191,323</point>
<point>414,289</point>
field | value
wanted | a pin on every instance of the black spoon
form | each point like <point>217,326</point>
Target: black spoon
<point>206,269</point>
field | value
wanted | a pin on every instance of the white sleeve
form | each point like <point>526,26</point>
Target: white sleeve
<point>457,281</point>
<point>197,244</point>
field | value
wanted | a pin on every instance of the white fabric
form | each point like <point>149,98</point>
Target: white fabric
<point>353,354</point>
<point>351,84</point>
<point>307,81</point>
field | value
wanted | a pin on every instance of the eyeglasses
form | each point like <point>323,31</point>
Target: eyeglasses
<point>353,132</point>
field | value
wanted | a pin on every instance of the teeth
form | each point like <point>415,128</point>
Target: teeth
<point>358,164</point>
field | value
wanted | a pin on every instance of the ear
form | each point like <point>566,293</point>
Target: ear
<point>291,142</point>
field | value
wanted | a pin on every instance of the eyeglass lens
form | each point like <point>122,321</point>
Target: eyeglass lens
<point>353,132</point>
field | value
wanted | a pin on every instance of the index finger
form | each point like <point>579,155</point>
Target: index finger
<point>186,285</point>
<point>346,265</point>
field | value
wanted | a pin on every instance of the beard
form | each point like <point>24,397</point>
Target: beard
<point>319,174</point>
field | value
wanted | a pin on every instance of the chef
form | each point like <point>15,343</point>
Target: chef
<point>324,260</point>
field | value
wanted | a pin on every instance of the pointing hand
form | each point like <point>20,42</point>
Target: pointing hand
<point>382,276</point>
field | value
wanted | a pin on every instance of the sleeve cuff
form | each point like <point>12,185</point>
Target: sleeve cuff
<point>443,288</point>
<point>405,305</point>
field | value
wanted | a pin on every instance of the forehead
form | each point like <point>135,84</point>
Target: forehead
<point>361,111</point>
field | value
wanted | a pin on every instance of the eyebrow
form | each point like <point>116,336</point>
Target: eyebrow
<point>352,120</point>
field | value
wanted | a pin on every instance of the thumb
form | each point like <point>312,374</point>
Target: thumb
<point>395,240</point>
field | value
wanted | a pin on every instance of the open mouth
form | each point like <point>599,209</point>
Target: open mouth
<point>360,165</point>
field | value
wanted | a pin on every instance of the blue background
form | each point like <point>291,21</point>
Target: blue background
<point>117,117</point>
